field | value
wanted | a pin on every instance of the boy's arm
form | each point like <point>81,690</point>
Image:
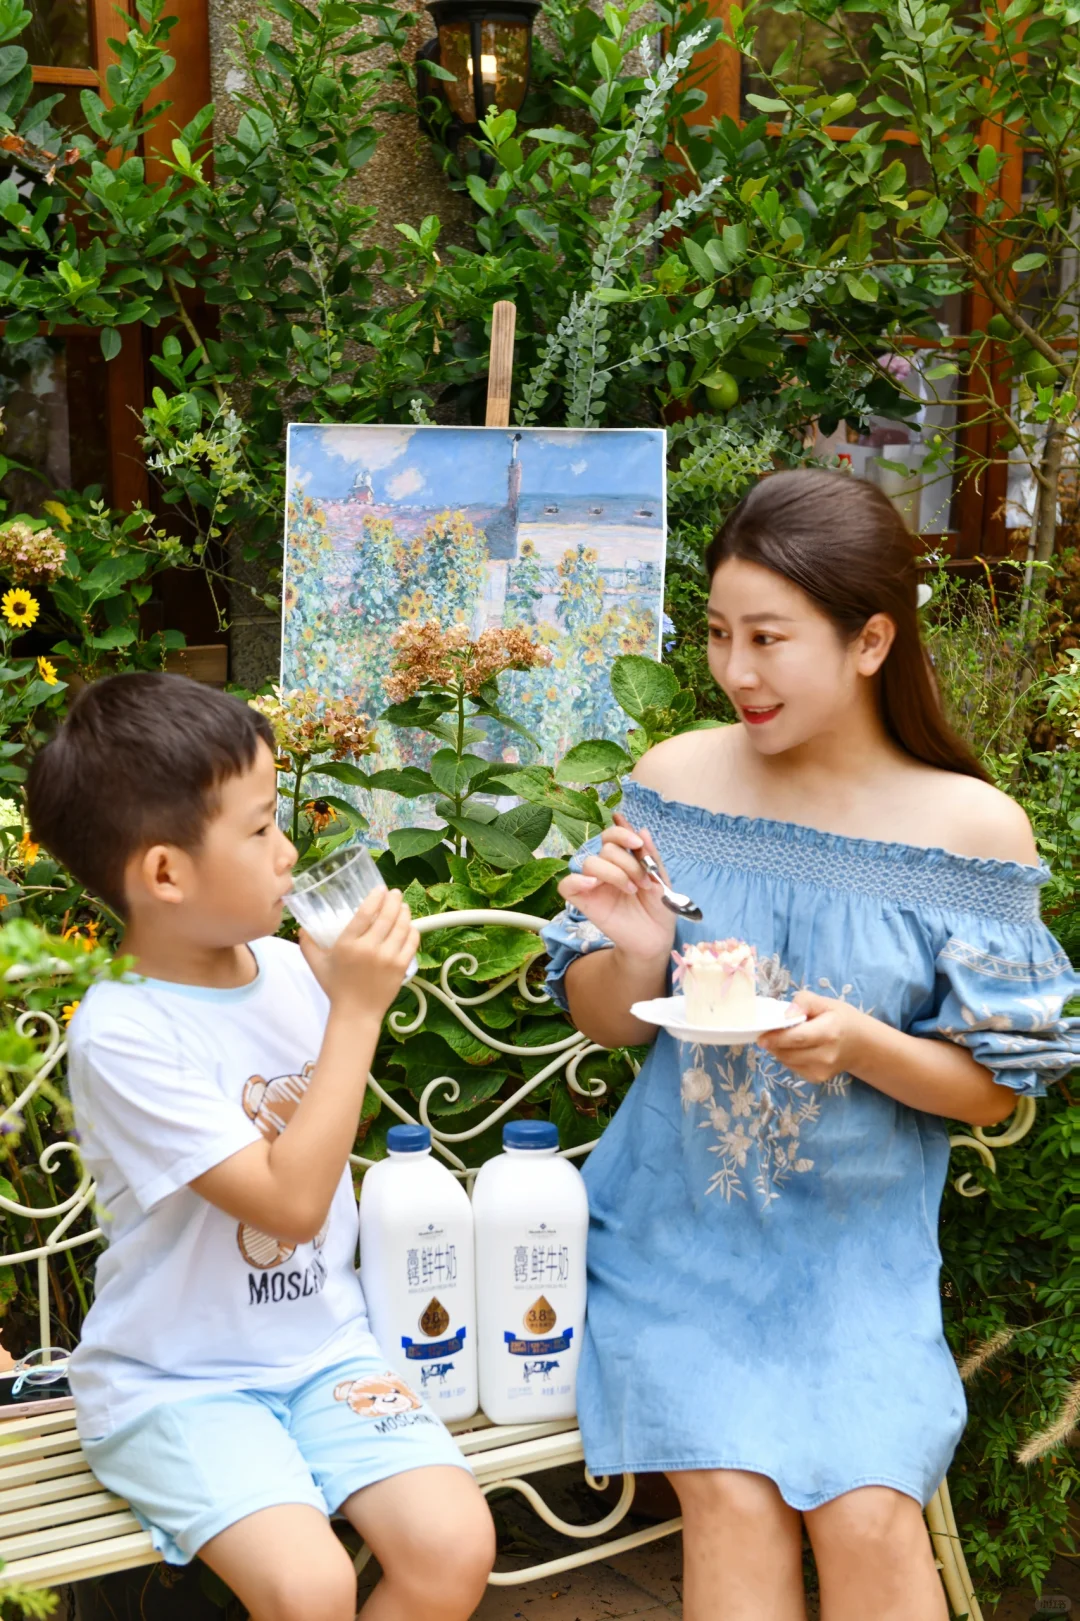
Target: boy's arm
<point>285,1187</point>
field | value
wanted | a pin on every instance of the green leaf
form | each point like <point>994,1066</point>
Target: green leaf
<point>342,771</point>
<point>529,823</point>
<point>508,888</point>
<point>414,841</point>
<point>987,164</point>
<point>1029,261</point>
<point>767,104</point>
<point>593,761</point>
<point>934,217</point>
<point>410,781</point>
<point>639,683</point>
<point>557,137</point>
<point>453,776</point>
<point>491,842</point>
<point>110,341</point>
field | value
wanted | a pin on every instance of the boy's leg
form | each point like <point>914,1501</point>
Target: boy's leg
<point>285,1564</point>
<point>431,1531</point>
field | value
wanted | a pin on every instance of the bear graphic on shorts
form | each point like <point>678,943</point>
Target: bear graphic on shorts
<point>271,1105</point>
<point>378,1396</point>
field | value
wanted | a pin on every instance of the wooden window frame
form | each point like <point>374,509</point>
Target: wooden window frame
<point>980,526</point>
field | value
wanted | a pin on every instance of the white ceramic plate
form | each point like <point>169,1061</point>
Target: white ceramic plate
<point>670,1013</point>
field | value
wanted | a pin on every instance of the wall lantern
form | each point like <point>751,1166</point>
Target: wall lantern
<point>488,49</point>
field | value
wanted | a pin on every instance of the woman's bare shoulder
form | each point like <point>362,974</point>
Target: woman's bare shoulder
<point>980,821</point>
<point>674,767</point>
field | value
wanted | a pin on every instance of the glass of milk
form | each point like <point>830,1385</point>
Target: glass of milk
<point>324,898</point>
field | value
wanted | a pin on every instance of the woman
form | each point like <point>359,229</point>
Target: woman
<point>764,1321</point>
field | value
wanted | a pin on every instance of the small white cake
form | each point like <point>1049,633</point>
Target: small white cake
<point>718,980</point>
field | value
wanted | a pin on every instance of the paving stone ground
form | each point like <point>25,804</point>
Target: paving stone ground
<point>647,1582</point>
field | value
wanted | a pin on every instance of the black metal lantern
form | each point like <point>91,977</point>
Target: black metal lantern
<point>487,48</point>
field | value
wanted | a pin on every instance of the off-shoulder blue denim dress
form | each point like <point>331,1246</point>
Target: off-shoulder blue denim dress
<point>763,1252</point>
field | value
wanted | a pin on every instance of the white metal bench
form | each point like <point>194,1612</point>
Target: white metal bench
<point>57,1524</point>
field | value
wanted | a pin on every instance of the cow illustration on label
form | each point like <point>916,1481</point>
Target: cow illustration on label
<point>271,1105</point>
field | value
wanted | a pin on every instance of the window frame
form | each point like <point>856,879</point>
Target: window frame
<point>979,510</point>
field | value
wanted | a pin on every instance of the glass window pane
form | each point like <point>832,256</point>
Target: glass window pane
<point>823,57</point>
<point>59,34</point>
<point>55,405</point>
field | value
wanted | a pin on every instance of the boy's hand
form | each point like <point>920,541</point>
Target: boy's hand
<point>363,971</point>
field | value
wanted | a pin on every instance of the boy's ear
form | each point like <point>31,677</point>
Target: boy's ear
<point>160,874</point>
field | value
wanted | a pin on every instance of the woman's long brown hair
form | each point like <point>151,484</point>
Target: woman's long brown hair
<point>841,540</point>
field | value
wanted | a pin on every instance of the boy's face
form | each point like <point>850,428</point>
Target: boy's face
<point>230,889</point>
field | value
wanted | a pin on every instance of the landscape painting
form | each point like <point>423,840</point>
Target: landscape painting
<point>560,531</point>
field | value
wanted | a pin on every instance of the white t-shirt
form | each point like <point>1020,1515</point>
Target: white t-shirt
<point>166,1082</point>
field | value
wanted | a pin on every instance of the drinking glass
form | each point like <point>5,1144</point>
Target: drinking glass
<point>324,897</point>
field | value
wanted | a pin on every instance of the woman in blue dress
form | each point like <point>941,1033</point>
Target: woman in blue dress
<point>764,1321</point>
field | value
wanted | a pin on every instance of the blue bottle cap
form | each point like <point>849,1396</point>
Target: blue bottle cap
<point>408,1139</point>
<point>530,1134</point>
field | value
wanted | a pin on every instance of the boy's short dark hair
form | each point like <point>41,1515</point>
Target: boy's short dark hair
<point>137,762</point>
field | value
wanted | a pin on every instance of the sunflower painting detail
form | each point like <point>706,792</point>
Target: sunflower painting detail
<point>557,532</point>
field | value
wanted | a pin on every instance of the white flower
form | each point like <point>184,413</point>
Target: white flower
<point>696,1086</point>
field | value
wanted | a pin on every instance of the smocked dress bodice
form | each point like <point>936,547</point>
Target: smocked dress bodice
<point>763,1255</point>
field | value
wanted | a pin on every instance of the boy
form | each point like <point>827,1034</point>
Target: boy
<point>217,1097</point>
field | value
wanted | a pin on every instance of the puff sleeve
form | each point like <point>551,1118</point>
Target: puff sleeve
<point>1004,998</point>
<point>570,935</point>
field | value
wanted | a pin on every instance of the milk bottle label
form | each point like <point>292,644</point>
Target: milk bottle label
<point>539,1342</point>
<point>431,1262</point>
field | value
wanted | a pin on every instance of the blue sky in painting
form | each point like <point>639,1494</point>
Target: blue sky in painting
<point>463,466</point>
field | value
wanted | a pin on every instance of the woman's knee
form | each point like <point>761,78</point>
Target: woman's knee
<point>733,1495</point>
<point>872,1522</point>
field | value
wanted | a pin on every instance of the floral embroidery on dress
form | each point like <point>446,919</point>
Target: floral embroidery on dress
<point>578,928</point>
<point>757,1110</point>
<point>755,1106</point>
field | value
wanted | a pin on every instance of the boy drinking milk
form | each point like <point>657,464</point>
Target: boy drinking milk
<point>227,1383</point>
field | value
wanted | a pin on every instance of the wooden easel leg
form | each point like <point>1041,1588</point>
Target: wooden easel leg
<point>501,364</point>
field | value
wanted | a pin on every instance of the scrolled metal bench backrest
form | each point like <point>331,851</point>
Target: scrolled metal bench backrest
<point>564,1055</point>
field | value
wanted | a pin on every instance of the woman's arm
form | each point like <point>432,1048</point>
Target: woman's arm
<point>615,894</point>
<point>600,988</point>
<point>936,1076</point>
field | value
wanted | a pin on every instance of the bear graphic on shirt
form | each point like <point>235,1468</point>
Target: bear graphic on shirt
<point>271,1105</point>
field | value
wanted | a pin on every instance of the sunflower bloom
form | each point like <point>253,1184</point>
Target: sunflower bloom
<point>19,608</point>
<point>47,672</point>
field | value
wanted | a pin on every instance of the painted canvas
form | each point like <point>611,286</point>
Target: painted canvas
<point>558,530</point>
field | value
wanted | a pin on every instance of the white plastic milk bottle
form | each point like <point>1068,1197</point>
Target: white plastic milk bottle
<point>416,1268</point>
<point>532,1220</point>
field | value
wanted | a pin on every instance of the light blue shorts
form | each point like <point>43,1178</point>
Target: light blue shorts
<point>192,1468</point>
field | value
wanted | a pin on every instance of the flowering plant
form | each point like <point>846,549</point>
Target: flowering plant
<point>315,735</point>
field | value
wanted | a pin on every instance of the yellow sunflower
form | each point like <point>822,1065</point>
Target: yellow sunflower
<point>47,672</point>
<point>19,608</point>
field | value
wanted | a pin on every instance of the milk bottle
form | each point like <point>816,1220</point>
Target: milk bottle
<point>532,1219</point>
<point>416,1267</point>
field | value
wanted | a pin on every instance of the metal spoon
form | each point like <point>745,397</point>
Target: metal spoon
<point>682,905</point>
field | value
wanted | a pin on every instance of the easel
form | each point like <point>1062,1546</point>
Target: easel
<point>501,364</point>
